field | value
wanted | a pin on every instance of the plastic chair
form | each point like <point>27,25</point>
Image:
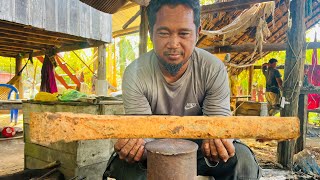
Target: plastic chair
<point>6,90</point>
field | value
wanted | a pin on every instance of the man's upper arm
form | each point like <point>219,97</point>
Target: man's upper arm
<point>277,74</point>
<point>134,99</point>
<point>264,70</point>
<point>217,98</point>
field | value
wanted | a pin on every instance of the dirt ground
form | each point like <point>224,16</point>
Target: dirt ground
<point>11,159</point>
<point>266,151</point>
<point>266,154</point>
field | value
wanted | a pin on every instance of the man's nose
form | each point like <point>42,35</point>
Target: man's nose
<point>174,42</point>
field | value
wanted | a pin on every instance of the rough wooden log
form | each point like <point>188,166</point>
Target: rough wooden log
<point>47,127</point>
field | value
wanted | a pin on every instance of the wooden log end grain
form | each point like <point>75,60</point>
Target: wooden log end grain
<point>47,127</point>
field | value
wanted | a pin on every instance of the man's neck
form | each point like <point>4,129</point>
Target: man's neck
<point>170,78</point>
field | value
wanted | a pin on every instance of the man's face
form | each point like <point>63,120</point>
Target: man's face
<point>174,35</point>
<point>273,65</point>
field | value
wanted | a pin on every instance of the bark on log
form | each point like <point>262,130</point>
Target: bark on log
<point>47,127</point>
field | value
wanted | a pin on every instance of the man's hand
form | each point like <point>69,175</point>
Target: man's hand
<point>131,150</point>
<point>218,149</point>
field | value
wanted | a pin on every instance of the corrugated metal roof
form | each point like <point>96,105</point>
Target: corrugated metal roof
<point>107,6</point>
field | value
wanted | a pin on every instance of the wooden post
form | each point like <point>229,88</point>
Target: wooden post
<point>95,63</point>
<point>19,84</point>
<point>303,116</point>
<point>251,72</point>
<point>143,33</point>
<point>102,86</point>
<point>293,75</point>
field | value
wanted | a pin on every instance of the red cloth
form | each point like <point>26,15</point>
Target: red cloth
<point>314,79</point>
<point>48,81</point>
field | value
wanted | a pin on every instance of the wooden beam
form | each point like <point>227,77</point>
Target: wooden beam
<point>128,6</point>
<point>260,67</point>
<point>143,3</point>
<point>133,18</point>
<point>73,47</point>
<point>101,85</point>
<point>19,84</point>
<point>35,31</point>
<point>143,33</point>
<point>230,5</point>
<point>251,72</point>
<point>7,54</point>
<point>14,45</point>
<point>82,61</point>
<point>18,44</point>
<point>293,75</point>
<point>15,49</point>
<point>48,127</point>
<point>125,31</point>
<point>303,116</point>
<point>12,49</point>
<point>28,39</point>
<point>250,47</point>
<point>36,37</point>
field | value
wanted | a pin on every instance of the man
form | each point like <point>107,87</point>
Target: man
<point>273,85</point>
<point>176,78</point>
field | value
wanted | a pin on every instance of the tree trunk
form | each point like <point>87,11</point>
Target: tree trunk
<point>143,31</point>
<point>293,74</point>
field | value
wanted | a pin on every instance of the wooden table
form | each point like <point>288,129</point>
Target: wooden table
<point>10,104</point>
<point>80,158</point>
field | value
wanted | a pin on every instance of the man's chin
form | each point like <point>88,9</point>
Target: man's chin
<point>173,61</point>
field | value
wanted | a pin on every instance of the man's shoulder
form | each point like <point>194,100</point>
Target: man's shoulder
<point>208,60</point>
<point>143,63</point>
<point>275,70</point>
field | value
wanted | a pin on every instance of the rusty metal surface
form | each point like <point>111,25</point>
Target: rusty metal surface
<point>174,159</point>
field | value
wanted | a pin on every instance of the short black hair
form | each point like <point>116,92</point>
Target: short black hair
<point>273,60</point>
<point>155,5</point>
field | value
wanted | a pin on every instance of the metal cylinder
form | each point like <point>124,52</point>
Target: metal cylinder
<point>264,109</point>
<point>171,159</point>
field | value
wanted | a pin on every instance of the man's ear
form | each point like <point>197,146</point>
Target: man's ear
<point>199,30</point>
<point>198,33</point>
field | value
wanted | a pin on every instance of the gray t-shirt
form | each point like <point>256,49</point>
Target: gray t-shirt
<point>202,90</point>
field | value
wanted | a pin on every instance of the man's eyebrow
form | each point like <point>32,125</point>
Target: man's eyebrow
<point>185,29</point>
<point>167,29</point>
<point>163,28</point>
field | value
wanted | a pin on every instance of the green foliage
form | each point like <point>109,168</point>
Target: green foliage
<point>205,2</point>
<point>149,44</point>
<point>7,64</point>
<point>75,65</point>
<point>126,53</point>
<point>314,118</point>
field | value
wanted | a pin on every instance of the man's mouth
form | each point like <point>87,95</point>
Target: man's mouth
<point>173,56</point>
